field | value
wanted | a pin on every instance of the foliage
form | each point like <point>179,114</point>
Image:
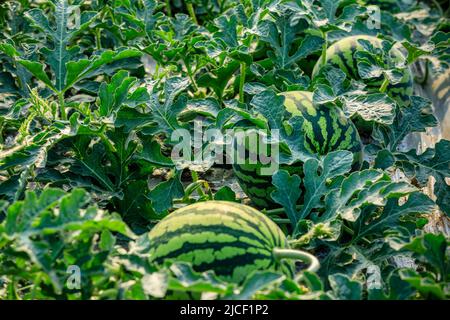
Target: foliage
<point>91,92</point>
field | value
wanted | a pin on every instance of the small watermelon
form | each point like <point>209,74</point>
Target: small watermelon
<point>342,55</point>
<point>229,238</point>
<point>325,129</point>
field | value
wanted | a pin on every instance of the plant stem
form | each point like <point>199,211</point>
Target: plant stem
<point>191,11</point>
<point>189,72</point>
<point>280,210</point>
<point>438,6</point>
<point>168,9</point>
<point>98,39</point>
<point>303,256</point>
<point>324,48</point>
<point>108,143</point>
<point>350,231</point>
<point>422,81</point>
<point>200,191</point>
<point>281,221</point>
<point>242,82</point>
<point>384,85</point>
<point>62,107</point>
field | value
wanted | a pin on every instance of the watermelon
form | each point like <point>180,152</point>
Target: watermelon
<point>229,238</point>
<point>342,55</point>
<point>325,129</point>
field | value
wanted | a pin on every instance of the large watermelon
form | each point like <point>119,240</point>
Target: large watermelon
<point>342,55</point>
<point>230,238</point>
<point>325,129</point>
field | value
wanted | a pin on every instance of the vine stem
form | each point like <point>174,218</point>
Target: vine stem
<point>281,221</point>
<point>62,107</point>
<point>98,39</point>
<point>439,8</point>
<point>422,81</point>
<point>194,176</point>
<point>168,9</point>
<point>189,72</point>
<point>191,11</point>
<point>280,210</point>
<point>384,85</point>
<point>324,48</point>
<point>242,82</point>
<point>303,256</point>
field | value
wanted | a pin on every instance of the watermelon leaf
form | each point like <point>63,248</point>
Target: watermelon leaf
<point>56,213</point>
<point>163,194</point>
<point>287,193</point>
<point>318,174</point>
<point>376,107</point>
<point>280,35</point>
<point>165,114</point>
<point>345,288</point>
<point>433,162</point>
<point>360,189</point>
<point>431,249</point>
<point>416,118</point>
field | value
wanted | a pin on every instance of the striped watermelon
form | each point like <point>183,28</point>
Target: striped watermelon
<point>341,55</point>
<point>325,129</point>
<point>230,238</point>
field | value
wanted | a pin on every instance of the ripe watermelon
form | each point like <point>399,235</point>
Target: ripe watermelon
<point>341,55</point>
<point>325,129</point>
<point>230,238</point>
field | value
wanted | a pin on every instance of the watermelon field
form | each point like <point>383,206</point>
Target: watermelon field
<point>224,149</point>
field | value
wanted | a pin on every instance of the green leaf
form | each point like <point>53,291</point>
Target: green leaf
<point>426,285</point>
<point>432,250</point>
<point>414,51</point>
<point>165,115</point>
<point>52,227</point>
<point>344,288</point>
<point>398,289</point>
<point>225,194</point>
<point>323,94</point>
<point>256,282</point>
<point>433,162</point>
<point>107,240</point>
<point>287,193</point>
<point>61,54</point>
<point>132,119</point>
<point>319,173</point>
<point>361,189</point>
<point>384,159</point>
<point>415,118</point>
<point>84,68</point>
<point>417,203</point>
<point>281,34</point>
<point>270,105</point>
<point>88,162</point>
<point>151,153</point>
<point>37,69</point>
<point>113,95</point>
<point>188,280</point>
<point>376,107</point>
<point>218,78</point>
<point>163,194</point>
